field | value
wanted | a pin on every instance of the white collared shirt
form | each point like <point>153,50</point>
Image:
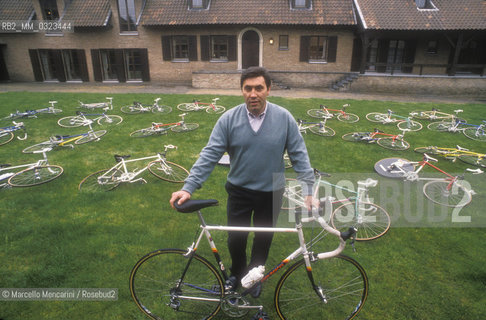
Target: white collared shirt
<point>256,121</point>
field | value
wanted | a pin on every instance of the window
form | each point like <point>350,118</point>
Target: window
<point>133,65</point>
<point>432,47</point>
<point>283,42</point>
<point>120,65</point>
<point>59,65</point>
<point>219,48</point>
<point>127,17</point>
<point>197,3</point>
<point>108,65</point>
<point>179,48</point>
<point>49,9</point>
<point>425,5</point>
<point>300,4</point>
<point>48,65</point>
<point>72,65</point>
<point>318,49</point>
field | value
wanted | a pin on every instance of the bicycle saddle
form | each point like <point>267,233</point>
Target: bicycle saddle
<point>195,205</point>
<point>320,173</point>
<point>119,158</point>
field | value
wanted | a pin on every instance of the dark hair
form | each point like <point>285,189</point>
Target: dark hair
<point>254,72</point>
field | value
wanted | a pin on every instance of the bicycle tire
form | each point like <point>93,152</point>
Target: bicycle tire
<point>427,150</point>
<point>319,114</point>
<point>421,115</point>
<point>393,144</point>
<point>91,183</point>
<point>215,109</point>
<point>131,109</point>
<point>475,134</point>
<point>110,119</point>
<point>40,147</point>
<point>35,176</point>
<point>409,125</point>
<point>341,279</point>
<point>71,122</point>
<point>475,160</point>
<point>186,107</point>
<point>141,133</point>
<point>163,109</point>
<point>153,282</point>
<point>440,126</point>
<point>348,117</point>
<point>370,225</point>
<point>5,137</point>
<point>355,136</point>
<point>91,136</point>
<point>185,127</point>
<point>376,117</point>
<point>292,192</point>
<point>50,111</point>
<point>171,172</point>
<point>441,193</point>
<point>324,131</point>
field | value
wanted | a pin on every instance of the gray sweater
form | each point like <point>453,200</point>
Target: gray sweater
<point>256,158</point>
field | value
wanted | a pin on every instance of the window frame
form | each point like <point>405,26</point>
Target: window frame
<point>213,50</point>
<point>49,5</point>
<point>176,43</point>
<point>324,46</point>
<point>280,42</point>
<point>128,24</point>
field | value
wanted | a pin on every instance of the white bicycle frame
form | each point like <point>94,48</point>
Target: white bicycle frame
<point>303,125</point>
<point>197,105</point>
<point>16,126</point>
<point>39,163</point>
<point>105,105</point>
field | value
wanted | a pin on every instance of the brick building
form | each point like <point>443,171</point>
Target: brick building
<point>206,43</point>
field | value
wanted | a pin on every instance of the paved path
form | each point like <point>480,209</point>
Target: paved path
<point>291,93</point>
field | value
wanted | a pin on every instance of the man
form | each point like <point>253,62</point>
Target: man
<point>255,134</point>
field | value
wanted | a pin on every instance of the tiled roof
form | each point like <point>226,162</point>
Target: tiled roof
<point>404,15</point>
<point>16,9</point>
<point>88,13</point>
<point>175,12</point>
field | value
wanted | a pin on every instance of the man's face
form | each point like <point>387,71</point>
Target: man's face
<point>255,92</point>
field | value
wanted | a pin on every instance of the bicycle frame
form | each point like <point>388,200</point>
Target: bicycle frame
<point>40,162</point>
<point>127,176</point>
<point>106,105</point>
<point>15,127</point>
<point>328,114</point>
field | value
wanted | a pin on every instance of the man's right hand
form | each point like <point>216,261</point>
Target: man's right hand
<point>180,196</point>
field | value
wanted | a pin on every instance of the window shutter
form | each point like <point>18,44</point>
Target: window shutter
<point>232,48</point>
<point>205,51</point>
<point>192,48</point>
<point>332,49</point>
<point>145,65</point>
<point>34,59</point>
<point>95,59</point>
<point>304,48</point>
<point>166,48</point>
<point>83,67</point>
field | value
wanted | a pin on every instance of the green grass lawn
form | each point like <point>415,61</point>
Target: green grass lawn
<point>52,236</point>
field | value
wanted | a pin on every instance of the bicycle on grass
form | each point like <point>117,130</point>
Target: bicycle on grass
<point>196,105</point>
<point>463,154</point>
<point>403,123</point>
<point>181,284</point>
<point>81,119</point>
<point>138,107</point>
<point>341,115</point>
<point>7,133</point>
<point>357,210</point>
<point>318,128</point>
<point>385,140</point>
<point>33,174</point>
<point>98,105</point>
<point>66,140</point>
<point>163,128</point>
<point>447,191</point>
<point>433,114</point>
<point>33,113</point>
<point>109,179</point>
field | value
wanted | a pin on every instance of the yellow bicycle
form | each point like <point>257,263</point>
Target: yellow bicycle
<point>463,154</point>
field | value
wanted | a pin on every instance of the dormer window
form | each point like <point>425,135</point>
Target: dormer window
<point>425,5</point>
<point>301,4</point>
<point>49,9</point>
<point>198,4</point>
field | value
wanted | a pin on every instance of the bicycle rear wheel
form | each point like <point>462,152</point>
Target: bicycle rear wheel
<point>421,115</point>
<point>71,122</point>
<point>376,117</point>
<point>393,144</point>
<point>356,136</point>
<point>91,136</point>
<point>341,282</point>
<point>186,106</point>
<point>447,194</point>
<point>371,220</point>
<point>110,120</point>
<point>5,137</point>
<point>143,133</point>
<point>185,127</point>
<point>39,147</point>
<point>348,117</point>
<point>319,114</point>
<point>215,109</point>
<point>409,125</point>
<point>100,181</point>
<point>475,160</point>
<point>427,150</point>
<point>168,171</point>
<point>439,126</point>
<point>159,291</point>
<point>163,109</point>
<point>35,176</point>
<point>131,109</point>
<point>475,133</point>
<point>324,131</point>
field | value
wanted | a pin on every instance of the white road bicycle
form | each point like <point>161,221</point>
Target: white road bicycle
<point>403,123</point>
<point>107,105</point>
<point>138,107</point>
<point>33,113</point>
<point>197,105</point>
<point>87,119</point>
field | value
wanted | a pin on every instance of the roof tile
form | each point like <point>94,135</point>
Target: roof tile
<point>16,9</point>
<point>88,13</point>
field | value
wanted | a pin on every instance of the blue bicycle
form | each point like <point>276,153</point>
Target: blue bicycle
<point>7,133</point>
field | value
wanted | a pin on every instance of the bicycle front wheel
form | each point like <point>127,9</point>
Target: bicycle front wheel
<point>348,117</point>
<point>447,193</point>
<point>186,107</point>
<point>5,137</point>
<point>163,286</point>
<point>475,133</point>
<point>39,147</point>
<point>371,220</point>
<point>100,181</point>
<point>340,293</point>
<point>393,144</point>
<point>185,127</point>
<point>439,126</point>
<point>131,109</point>
<point>91,136</point>
<point>35,176</point>
<point>215,109</point>
<point>475,160</point>
<point>161,109</point>
<point>71,122</point>
<point>319,114</point>
<point>322,131</point>
<point>409,125</point>
<point>110,119</point>
<point>427,150</point>
<point>376,117</point>
<point>143,133</point>
<point>168,171</point>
